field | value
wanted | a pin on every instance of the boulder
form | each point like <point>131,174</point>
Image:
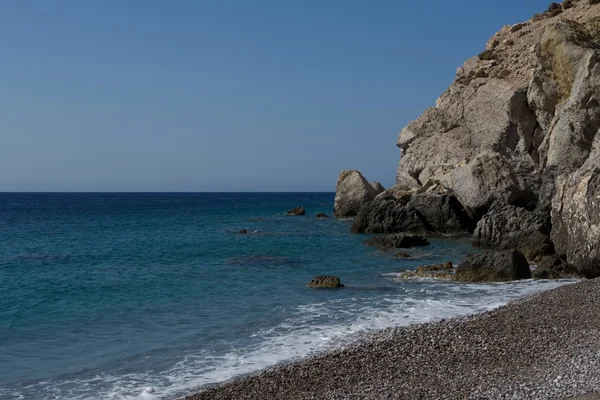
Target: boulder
<point>387,216</point>
<point>507,227</point>
<point>421,213</point>
<point>493,266</point>
<point>576,218</point>
<point>352,191</point>
<point>325,282</point>
<point>297,211</point>
<point>396,241</point>
<point>480,182</point>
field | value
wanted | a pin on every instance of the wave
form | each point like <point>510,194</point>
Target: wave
<point>308,330</point>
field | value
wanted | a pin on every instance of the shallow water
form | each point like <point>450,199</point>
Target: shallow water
<point>103,295</point>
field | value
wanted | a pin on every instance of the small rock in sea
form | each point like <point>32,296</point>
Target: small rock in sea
<point>322,216</point>
<point>297,211</point>
<point>325,282</point>
<point>437,271</point>
<point>243,232</point>
<point>403,255</point>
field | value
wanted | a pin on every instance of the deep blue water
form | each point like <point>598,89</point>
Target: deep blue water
<point>103,295</point>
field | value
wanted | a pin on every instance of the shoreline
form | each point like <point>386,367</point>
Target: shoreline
<point>537,347</point>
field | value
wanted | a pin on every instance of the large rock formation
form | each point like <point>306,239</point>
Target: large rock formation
<point>512,144</point>
<point>418,213</point>
<point>352,191</point>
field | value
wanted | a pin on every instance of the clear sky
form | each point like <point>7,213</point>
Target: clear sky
<point>124,95</point>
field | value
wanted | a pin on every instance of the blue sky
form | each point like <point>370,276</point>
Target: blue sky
<point>223,95</point>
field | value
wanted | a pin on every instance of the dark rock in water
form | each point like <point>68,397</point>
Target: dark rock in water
<point>351,192</point>
<point>402,255</point>
<point>493,266</point>
<point>297,211</point>
<point>387,216</point>
<point>325,282</point>
<point>243,232</point>
<point>396,241</point>
<point>322,216</point>
<point>507,227</point>
<point>421,213</point>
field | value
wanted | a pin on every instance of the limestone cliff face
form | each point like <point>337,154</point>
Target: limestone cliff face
<point>520,126</point>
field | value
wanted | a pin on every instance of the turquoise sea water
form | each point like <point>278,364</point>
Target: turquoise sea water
<point>104,295</point>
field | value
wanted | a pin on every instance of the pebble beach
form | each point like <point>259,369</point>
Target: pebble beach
<point>543,346</point>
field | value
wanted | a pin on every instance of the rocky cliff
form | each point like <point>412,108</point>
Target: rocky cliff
<point>514,142</point>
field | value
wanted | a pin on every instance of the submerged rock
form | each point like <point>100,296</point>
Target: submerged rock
<point>396,241</point>
<point>297,211</point>
<point>242,232</point>
<point>352,191</point>
<point>322,216</point>
<point>325,282</point>
<point>493,266</point>
<point>402,255</point>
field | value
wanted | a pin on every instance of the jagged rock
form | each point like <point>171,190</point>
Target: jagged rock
<point>564,94</point>
<point>398,192</point>
<point>477,184</point>
<point>509,227</point>
<point>377,186</point>
<point>396,241</point>
<point>297,211</point>
<point>424,212</point>
<point>493,266</point>
<point>576,218</point>
<point>352,191</point>
<point>387,216</point>
<point>325,282</point>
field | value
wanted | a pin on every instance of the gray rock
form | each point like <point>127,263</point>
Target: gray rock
<point>397,241</point>
<point>507,227</point>
<point>352,191</point>
<point>477,184</point>
<point>493,266</point>
<point>325,282</point>
<point>576,218</point>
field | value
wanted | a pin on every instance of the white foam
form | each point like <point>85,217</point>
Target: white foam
<point>309,329</point>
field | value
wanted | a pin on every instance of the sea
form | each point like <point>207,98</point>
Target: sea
<point>155,295</point>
